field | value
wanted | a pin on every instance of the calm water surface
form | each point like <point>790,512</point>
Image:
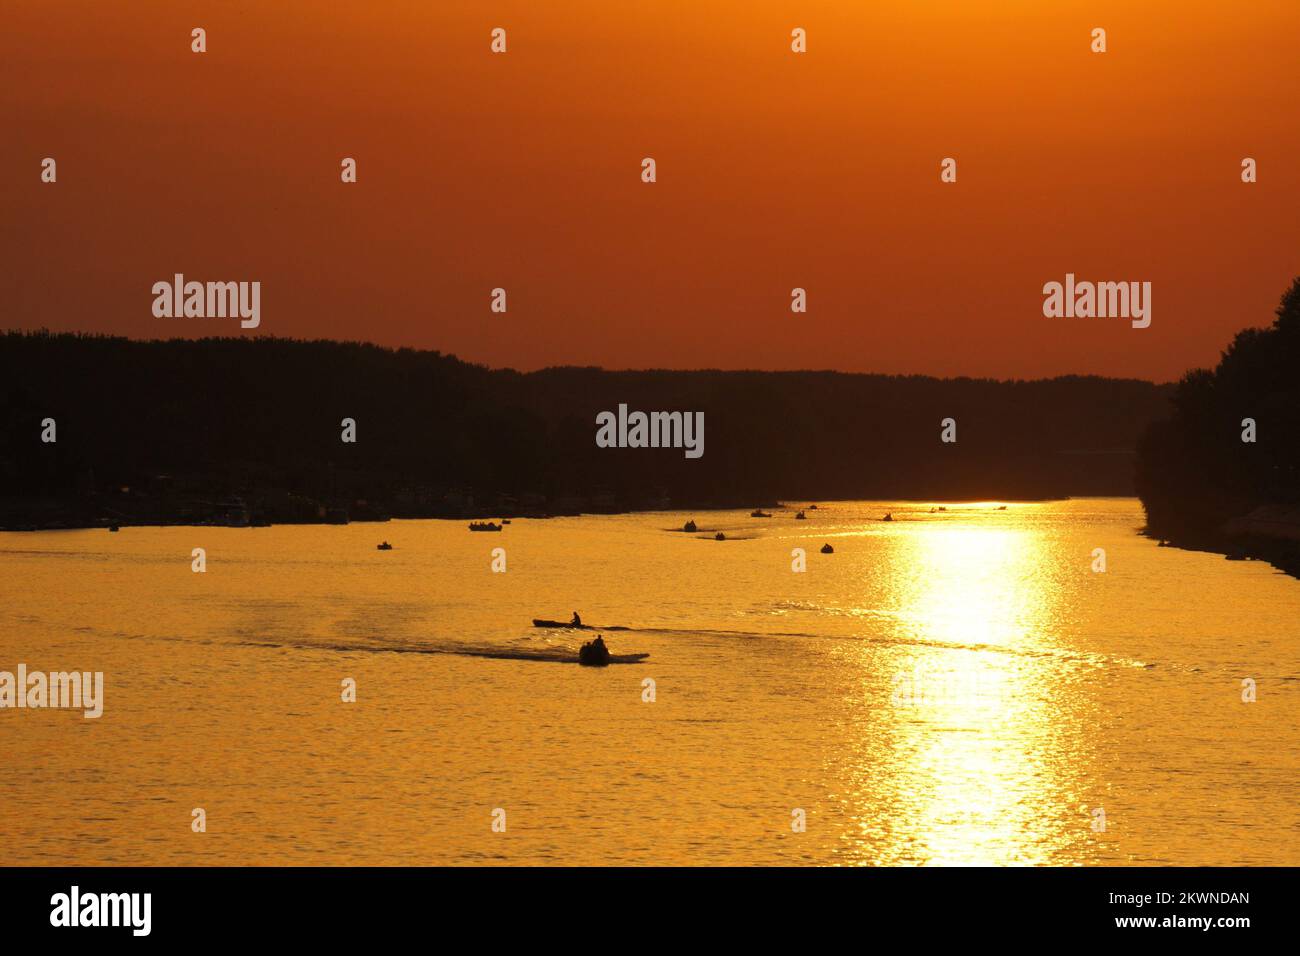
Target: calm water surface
<point>946,688</point>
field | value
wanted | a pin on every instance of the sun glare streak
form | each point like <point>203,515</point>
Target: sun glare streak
<point>973,738</point>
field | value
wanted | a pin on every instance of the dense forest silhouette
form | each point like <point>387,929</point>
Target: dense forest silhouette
<point>188,430</point>
<point>1201,484</point>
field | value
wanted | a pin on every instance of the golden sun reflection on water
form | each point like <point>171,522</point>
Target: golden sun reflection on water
<point>979,762</point>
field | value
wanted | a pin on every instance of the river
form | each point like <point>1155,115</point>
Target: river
<point>949,687</point>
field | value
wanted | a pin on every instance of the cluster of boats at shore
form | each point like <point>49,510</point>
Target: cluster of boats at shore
<point>690,527</point>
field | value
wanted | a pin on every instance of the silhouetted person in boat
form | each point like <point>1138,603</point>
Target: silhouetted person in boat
<point>577,621</point>
<point>594,653</point>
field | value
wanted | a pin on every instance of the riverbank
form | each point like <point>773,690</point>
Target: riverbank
<point>252,512</point>
<point>1269,533</point>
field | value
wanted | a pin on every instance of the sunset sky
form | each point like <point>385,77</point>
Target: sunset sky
<point>775,170</point>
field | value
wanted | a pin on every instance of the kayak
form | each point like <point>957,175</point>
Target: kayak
<point>538,622</point>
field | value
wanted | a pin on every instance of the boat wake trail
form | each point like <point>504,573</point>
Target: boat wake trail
<point>553,655</point>
<point>1057,653</point>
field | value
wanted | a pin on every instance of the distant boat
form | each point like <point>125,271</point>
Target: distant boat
<point>800,517</point>
<point>1003,508</point>
<point>812,507</point>
<point>759,513</point>
<point>483,526</point>
<point>505,520</point>
<point>719,537</point>
<point>383,546</point>
<point>827,549</point>
<point>888,517</point>
<point>112,527</point>
<point>689,526</point>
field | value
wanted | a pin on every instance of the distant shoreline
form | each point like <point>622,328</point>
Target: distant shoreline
<point>97,430</point>
<point>63,524</point>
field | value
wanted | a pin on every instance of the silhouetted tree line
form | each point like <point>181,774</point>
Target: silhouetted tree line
<point>185,424</point>
<point>1201,483</point>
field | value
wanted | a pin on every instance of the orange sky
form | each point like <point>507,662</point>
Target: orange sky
<point>775,170</point>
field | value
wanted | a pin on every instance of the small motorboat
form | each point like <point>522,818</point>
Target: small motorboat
<point>594,653</point>
<point>689,526</point>
<point>1003,508</point>
<point>759,513</point>
<point>887,517</point>
<point>800,517</point>
<point>483,526</point>
<point>505,520</point>
<point>112,527</point>
<point>719,537</point>
<point>812,507</point>
<point>827,549</point>
<point>383,546</point>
